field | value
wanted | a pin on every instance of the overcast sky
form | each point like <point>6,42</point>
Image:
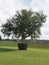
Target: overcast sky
<point>9,7</point>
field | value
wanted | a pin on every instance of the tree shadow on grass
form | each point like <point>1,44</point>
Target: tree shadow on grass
<point>7,49</point>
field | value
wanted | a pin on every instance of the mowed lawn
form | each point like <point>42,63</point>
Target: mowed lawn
<point>10,55</point>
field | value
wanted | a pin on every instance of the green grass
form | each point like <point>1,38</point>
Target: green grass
<point>8,43</point>
<point>10,55</point>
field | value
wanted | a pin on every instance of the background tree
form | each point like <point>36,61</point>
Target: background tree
<point>25,23</point>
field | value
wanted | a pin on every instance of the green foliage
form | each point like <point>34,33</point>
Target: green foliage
<point>25,23</point>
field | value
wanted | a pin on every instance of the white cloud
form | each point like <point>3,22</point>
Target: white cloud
<point>44,37</point>
<point>20,4</point>
<point>47,1</point>
<point>9,7</point>
<point>33,2</point>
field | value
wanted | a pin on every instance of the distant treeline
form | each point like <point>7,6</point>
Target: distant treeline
<point>8,40</point>
<point>42,41</point>
<point>29,41</point>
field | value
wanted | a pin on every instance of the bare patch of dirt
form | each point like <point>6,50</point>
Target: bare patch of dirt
<point>37,44</point>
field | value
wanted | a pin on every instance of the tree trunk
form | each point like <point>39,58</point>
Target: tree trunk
<point>22,45</point>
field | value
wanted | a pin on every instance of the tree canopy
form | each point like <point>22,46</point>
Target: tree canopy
<point>24,23</point>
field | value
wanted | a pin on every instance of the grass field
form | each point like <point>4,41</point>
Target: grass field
<point>10,55</point>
